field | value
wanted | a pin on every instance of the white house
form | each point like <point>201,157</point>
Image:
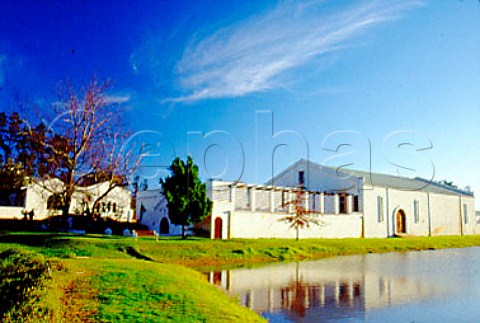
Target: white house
<point>152,212</point>
<point>39,198</point>
<point>346,203</point>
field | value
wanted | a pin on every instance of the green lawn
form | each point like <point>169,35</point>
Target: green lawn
<point>97,281</point>
<point>104,279</point>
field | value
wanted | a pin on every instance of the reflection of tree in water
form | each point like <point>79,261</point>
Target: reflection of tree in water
<point>297,297</point>
<point>300,296</point>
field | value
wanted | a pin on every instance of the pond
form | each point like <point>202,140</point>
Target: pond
<point>425,286</point>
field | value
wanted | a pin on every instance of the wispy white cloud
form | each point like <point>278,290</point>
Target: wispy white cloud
<point>254,55</point>
<point>118,98</point>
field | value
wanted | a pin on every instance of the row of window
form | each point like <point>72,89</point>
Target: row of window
<point>381,210</point>
<point>312,201</point>
<point>416,211</point>
<point>106,207</point>
<point>54,202</point>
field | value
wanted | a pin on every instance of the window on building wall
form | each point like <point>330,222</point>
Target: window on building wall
<point>114,207</point>
<point>380,209</point>
<point>248,197</point>
<point>356,204</point>
<point>416,211</point>
<point>343,203</point>
<point>313,197</point>
<point>465,213</point>
<point>301,178</point>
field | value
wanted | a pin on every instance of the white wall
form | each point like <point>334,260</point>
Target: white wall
<point>374,228</point>
<point>11,212</point>
<point>37,196</point>
<point>119,196</point>
<point>265,224</point>
<point>445,215</point>
<point>439,214</point>
<point>404,200</point>
<point>246,224</point>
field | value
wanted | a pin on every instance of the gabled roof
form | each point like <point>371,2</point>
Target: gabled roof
<point>407,184</point>
<point>150,193</point>
<point>377,179</point>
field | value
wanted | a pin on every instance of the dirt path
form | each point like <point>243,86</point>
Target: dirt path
<point>78,300</point>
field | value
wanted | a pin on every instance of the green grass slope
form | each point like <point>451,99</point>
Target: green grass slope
<point>96,278</point>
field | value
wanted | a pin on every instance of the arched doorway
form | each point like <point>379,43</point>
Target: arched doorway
<point>164,226</point>
<point>218,228</point>
<point>401,222</point>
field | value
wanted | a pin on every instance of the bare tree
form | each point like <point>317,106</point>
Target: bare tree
<point>300,217</point>
<point>84,145</point>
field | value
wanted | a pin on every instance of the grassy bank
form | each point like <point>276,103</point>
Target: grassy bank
<point>109,290</point>
<point>108,279</point>
<point>199,252</point>
<point>208,253</point>
<point>23,275</point>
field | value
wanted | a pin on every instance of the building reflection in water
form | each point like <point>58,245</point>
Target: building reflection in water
<point>340,285</point>
<point>299,297</point>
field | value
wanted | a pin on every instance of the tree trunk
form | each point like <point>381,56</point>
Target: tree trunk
<point>65,210</point>
<point>66,205</point>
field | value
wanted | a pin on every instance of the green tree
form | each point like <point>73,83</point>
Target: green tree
<point>186,195</point>
<point>13,159</point>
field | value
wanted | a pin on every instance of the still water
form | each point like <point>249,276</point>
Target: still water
<point>426,286</point>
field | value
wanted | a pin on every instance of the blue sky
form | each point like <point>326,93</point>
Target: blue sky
<point>366,75</point>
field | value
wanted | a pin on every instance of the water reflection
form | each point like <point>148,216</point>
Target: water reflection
<point>300,296</point>
<point>353,286</point>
